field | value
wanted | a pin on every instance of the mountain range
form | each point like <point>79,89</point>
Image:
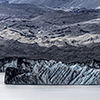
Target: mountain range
<point>65,4</point>
<point>33,33</point>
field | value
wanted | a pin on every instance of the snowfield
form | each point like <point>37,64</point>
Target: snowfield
<point>9,92</point>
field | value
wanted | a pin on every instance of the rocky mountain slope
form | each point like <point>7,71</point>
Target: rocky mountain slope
<point>33,39</point>
<point>36,33</point>
<point>67,4</point>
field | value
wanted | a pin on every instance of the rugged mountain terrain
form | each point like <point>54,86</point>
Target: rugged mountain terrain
<point>63,4</point>
<point>33,39</point>
<point>38,33</point>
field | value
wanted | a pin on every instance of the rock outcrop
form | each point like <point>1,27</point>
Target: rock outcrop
<point>43,72</point>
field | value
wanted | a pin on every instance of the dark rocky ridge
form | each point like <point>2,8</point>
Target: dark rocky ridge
<point>23,71</point>
<point>66,54</point>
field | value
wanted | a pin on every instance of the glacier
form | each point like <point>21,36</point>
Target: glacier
<point>21,71</point>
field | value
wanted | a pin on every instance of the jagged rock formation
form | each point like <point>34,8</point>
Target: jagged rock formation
<point>42,72</point>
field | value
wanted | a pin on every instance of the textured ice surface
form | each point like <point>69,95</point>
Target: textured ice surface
<point>43,72</point>
<point>19,92</point>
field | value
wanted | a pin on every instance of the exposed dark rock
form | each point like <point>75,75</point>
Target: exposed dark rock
<point>95,64</point>
<point>67,54</point>
<point>18,76</point>
<point>12,72</point>
<point>84,31</point>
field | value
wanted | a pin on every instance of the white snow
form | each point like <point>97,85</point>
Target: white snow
<point>10,92</point>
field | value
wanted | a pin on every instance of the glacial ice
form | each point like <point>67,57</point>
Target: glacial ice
<point>43,72</point>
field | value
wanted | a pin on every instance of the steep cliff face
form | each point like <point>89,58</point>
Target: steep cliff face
<point>21,71</point>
